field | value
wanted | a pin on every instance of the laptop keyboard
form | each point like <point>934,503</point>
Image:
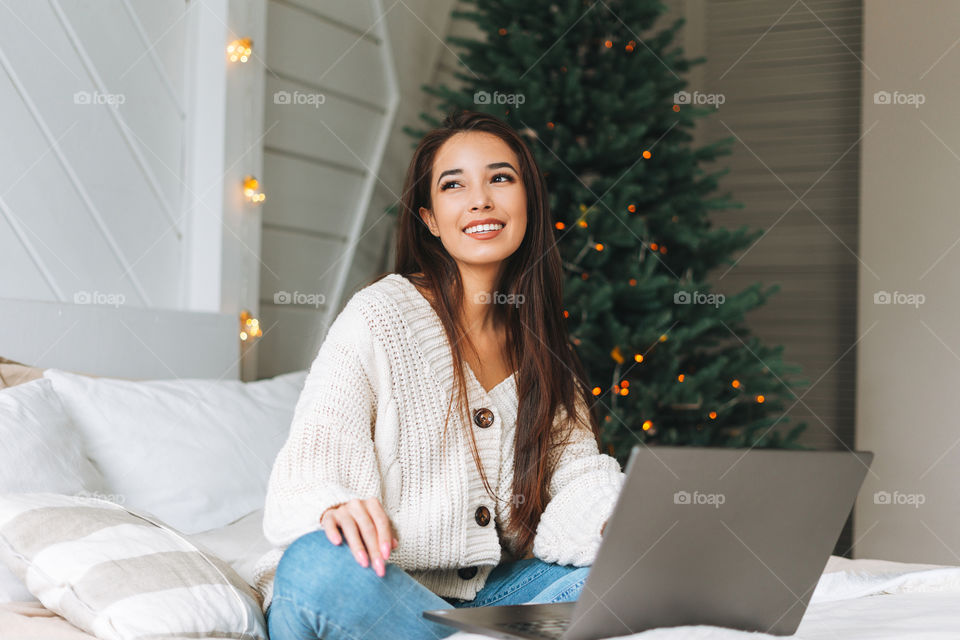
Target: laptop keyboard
<point>550,628</point>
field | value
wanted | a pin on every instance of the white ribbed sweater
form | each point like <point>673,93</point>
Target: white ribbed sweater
<point>368,424</point>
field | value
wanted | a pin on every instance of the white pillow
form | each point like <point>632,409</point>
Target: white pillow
<point>197,453</point>
<point>40,450</point>
<point>118,574</point>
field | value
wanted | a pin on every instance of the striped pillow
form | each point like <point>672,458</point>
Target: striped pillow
<point>117,574</point>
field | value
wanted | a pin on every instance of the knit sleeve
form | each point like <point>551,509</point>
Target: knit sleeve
<point>581,495</point>
<point>328,457</point>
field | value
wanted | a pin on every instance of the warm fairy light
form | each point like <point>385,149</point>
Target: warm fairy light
<point>598,246</point>
<point>560,226</point>
<point>251,189</point>
<point>624,391</point>
<point>653,246</point>
<point>608,44</point>
<point>760,399</point>
<point>735,384</point>
<point>676,107</point>
<point>566,314</point>
<point>680,378</point>
<point>647,155</point>
<point>625,383</point>
<point>549,125</point>
<point>663,338</point>
<point>713,415</point>
<point>597,391</point>
<point>647,425</point>
<point>582,223</point>
<point>632,282</point>
<point>502,31</point>
<point>632,208</point>
<point>663,249</point>
<point>638,357</point>
<point>240,49</point>
<point>249,326</point>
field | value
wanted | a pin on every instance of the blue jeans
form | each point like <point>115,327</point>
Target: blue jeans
<point>320,591</point>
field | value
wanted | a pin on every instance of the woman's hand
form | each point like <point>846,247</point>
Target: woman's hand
<point>366,527</point>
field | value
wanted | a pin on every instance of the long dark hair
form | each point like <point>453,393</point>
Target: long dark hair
<point>538,345</point>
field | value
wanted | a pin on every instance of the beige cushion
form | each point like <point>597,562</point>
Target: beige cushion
<point>120,574</point>
<point>13,373</point>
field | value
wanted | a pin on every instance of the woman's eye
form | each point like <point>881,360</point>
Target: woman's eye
<point>509,178</point>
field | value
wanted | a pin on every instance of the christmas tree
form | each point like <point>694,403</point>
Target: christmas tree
<point>670,361</point>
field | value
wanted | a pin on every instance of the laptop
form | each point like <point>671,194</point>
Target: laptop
<point>734,538</point>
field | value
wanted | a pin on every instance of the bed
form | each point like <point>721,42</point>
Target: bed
<point>854,600</point>
<point>862,599</point>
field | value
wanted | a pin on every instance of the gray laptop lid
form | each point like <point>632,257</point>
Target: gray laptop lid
<point>728,537</point>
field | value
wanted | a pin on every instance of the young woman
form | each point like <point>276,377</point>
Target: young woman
<point>502,501</point>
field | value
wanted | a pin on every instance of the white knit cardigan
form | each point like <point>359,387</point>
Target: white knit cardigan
<point>368,424</point>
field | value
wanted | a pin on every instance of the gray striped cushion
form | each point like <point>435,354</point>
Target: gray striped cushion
<point>117,574</point>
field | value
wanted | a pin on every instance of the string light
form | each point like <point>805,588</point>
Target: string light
<point>598,246</point>
<point>638,357</point>
<point>240,49</point>
<point>713,415</point>
<point>251,189</point>
<point>647,425</point>
<point>249,326</point>
<point>560,226</point>
<point>760,399</point>
<point>735,384</point>
<point>647,155</point>
<point>680,378</point>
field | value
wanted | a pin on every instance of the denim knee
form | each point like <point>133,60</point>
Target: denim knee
<point>308,565</point>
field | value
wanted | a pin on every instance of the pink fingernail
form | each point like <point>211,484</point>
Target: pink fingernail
<point>385,549</point>
<point>378,566</point>
<point>363,558</point>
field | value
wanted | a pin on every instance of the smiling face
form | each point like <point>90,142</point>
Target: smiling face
<point>476,178</point>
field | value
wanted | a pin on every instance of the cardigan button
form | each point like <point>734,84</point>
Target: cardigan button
<point>482,516</point>
<point>483,417</point>
<point>467,572</point>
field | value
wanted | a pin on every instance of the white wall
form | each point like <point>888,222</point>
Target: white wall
<point>908,360</point>
<point>125,135</point>
<point>91,195</point>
